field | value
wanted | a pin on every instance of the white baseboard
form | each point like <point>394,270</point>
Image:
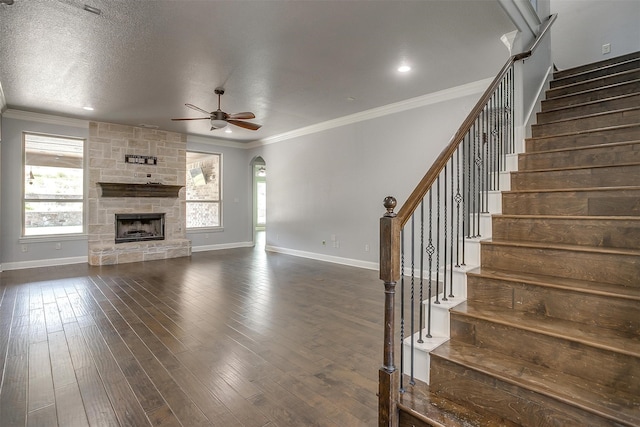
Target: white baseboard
<point>205,248</point>
<point>327,258</point>
<point>19,265</point>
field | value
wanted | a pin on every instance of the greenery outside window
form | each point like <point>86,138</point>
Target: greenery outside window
<point>203,190</point>
<point>54,196</point>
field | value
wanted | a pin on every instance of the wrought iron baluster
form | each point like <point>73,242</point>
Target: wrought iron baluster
<point>445,232</point>
<point>430,250</point>
<point>402,302</point>
<point>451,240</point>
<point>459,199</point>
<point>411,380</point>
<point>420,340</point>
<point>467,181</point>
<point>475,177</point>
<point>437,301</point>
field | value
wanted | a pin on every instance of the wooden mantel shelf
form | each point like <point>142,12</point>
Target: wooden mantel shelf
<point>122,189</point>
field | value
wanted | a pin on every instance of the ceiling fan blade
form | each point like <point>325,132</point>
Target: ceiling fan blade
<point>246,125</point>
<point>196,118</point>
<point>244,115</point>
<point>193,107</point>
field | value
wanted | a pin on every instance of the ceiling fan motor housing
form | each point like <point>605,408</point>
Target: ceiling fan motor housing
<point>218,119</point>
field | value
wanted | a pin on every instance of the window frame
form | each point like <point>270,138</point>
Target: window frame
<point>83,200</point>
<point>220,225</point>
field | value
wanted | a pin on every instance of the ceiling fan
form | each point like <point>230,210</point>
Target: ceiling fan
<point>219,118</point>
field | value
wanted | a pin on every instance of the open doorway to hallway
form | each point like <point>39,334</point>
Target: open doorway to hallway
<point>259,169</point>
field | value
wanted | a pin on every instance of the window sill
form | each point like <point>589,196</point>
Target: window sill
<point>53,238</point>
<point>204,230</point>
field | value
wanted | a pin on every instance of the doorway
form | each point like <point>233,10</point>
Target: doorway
<point>259,172</point>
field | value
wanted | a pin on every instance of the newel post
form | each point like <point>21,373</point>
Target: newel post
<point>389,273</point>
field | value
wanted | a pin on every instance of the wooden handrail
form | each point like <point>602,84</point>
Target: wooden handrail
<point>429,178</point>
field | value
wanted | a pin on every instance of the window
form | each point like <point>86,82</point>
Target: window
<point>53,201</point>
<point>203,190</point>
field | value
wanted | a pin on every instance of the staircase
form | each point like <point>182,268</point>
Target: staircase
<point>550,332</point>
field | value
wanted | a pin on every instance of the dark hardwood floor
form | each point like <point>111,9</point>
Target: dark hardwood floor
<point>237,337</point>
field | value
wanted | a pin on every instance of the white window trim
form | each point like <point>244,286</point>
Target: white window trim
<point>219,201</point>
<point>83,235</point>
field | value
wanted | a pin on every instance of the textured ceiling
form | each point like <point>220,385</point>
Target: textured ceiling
<point>293,63</point>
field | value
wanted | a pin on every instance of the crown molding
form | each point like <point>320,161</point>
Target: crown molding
<point>215,141</point>
<point>46,118</point>
<point>408,104</point>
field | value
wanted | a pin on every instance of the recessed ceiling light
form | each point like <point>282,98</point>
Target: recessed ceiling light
<point>88,108</point>
<point>404,68</point>
<point>351,98</point>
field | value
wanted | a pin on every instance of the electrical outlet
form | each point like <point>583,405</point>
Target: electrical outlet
<point>25,248</point>
<point>606,48</point>
<point>324,243</point>
<point>58,245</point>
<point>366,248</point>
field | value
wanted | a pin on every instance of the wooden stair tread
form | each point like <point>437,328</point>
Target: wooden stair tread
<point>582,333</point>
<point>599,81</point>
<point>605,289</point>
<point>565,247</point>
<point>603,401</point>
<point>589,116</point>
<point>588,103</point>
<point>587,147</point>
<point>572,190</point>
<point>571,217</point>
<point>592,91</point>
<point>576,168</point>
<point>586,68</point>
<point>426,406</point>
<point>583,132</point>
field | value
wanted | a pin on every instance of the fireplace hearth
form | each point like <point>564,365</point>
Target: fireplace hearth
<point>139,227</point>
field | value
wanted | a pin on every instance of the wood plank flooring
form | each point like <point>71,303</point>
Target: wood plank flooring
<point>237,337</point>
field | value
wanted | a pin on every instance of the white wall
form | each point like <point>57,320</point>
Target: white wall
<point>583,26</point>
<point>43,252</point>
<point>333,183</point>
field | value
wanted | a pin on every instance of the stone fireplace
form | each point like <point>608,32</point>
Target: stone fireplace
<point>134,191</point>
<point>139,227</point>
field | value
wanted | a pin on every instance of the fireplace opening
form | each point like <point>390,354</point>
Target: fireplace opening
<point>139,227</point>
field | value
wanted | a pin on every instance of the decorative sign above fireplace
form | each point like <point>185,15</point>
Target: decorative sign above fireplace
<point>139,227</point>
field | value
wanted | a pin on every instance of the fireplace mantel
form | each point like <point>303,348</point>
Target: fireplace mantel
<point>123,189</point>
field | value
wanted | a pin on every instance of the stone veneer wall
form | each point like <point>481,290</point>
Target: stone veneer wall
<point>108,144</point>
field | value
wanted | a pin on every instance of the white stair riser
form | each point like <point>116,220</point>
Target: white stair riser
<point>421,363</point>
<point>440,319</point>
<point>421,358</point>
<point>495,202</point>
<point>472,252</point>
<point>459,282</point>
<point>505,181</point>
<point>512,162</point>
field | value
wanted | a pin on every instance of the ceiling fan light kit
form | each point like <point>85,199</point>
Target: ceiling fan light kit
<point>219,119</point>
